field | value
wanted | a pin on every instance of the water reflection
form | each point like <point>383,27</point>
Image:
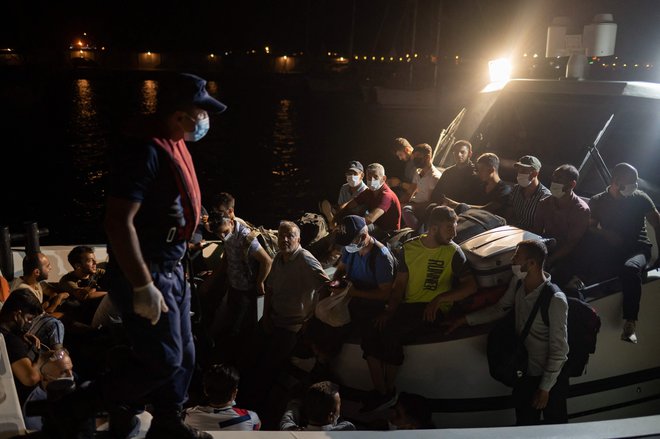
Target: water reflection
<point>149,96</point>
<point>285,137</point>
<point>83,98</point>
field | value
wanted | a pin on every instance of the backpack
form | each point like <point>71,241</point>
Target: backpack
<point>312,228</point>
<point>474,221</point>
<point>583,325</point>
<point>267,239</point>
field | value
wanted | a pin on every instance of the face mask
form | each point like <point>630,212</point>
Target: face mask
<point>201,128</point>
<point>375,184</point>
<point>353,180</point>
<point>557,190</point>
<point>517,272</point>
<point>419,163</point>
<point>523,180</point>
<point>629,189</point>
<point>353,248</point>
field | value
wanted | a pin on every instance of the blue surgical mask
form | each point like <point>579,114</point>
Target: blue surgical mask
<point>201,128</point>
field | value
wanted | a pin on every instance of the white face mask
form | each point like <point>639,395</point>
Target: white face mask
<point>557,190</point>
<point>523,180</point>
<point>353,180</point>
<point>353,248</point>
<point>629,189</point>
<point>201,128</point>
<point>375,184</point>
<point>517,272</point>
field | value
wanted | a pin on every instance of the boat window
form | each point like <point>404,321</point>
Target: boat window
<point>559,128</point>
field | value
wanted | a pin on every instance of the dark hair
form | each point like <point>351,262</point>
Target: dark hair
<point>76,253</point>
<point>400,144</point>
<point>32,262</point>
<point>223,199</point>
<point>319,402</point>
<point>417,408</point>
<point>441,214</point>
<point>624,170</point>
<point>535,250</point>
<point>21,299</point>
<point>423,148</point>
<point>220,382</point>
<point>461,143</point>
<point>489,159</point>
<point>569,171</point>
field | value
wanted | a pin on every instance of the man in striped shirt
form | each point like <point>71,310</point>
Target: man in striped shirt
<point>527,194</point>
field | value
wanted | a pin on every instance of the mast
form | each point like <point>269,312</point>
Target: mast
<point>412,43</point>
<point>437,46</point>
<point>352,36</point>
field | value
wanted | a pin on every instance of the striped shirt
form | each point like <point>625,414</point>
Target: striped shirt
<point>524,209</point>
<point>206,418</point>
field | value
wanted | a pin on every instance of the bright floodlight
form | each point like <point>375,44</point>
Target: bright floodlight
<point>499,70</point>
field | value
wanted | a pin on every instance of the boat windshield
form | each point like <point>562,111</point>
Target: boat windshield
<point>559,128</point>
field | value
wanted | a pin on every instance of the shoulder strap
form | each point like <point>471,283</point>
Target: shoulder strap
<point>532,314</point>
<point>548,291</point>
<point>372,255</point>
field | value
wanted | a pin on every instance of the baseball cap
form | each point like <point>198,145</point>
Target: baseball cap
<point>355,166</point>
<point>529,161</point>
<point>186,89</point>
<point>349,228</point>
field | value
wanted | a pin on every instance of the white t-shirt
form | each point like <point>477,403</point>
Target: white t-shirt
<point>425,185</point>
<point>206,418</point>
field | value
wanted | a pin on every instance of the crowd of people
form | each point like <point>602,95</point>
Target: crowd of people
<point>147,354</point>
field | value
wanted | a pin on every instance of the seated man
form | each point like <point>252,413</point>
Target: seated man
<point>36,269</point>
<point>352,188</point>
<point>617,242</point>
<point>295,280</point>
<point>565,217</point>
<point>527,194</point>
<point>402,186</point>
<point>383,208</point>
<point>425,180</point>
<point>83,282</point>
<point>459,181</point>
<point>492,194</point>
<point>432,274</point>
<point>15,318</point>
<point>220,383</point>
<point>319,410</point>
<point>369,267</point>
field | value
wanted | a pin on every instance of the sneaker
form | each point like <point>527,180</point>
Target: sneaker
<point>174,429</point>
<point>628,333</point>
<point>376,402</point>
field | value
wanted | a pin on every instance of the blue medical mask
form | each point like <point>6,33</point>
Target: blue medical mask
<point>201,128</point>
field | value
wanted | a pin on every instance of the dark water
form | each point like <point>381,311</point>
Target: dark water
<point>279,148</point>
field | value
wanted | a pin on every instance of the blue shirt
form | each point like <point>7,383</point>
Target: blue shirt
<point>367,275</point>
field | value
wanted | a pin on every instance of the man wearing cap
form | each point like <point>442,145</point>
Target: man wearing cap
<point>425,180</point>
<point>527,194</point>
<point>383,208</point>
<point>432,274</point>
<point>152,210</point>
<point>353,187</point>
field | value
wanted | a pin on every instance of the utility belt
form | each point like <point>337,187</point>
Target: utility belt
<point>164,266</point>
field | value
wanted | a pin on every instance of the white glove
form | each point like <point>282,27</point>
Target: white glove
<point>148,302</point>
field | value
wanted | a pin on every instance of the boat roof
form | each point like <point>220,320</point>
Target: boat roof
<point>637,89</point>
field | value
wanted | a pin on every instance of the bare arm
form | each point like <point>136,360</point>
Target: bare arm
<point>374,215</point>
<point>123,238</point>
<point>265,262</point>
<point>26,372</point>
<point>342,211</point>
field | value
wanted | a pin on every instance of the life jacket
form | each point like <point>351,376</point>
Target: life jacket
<point>186,181</point>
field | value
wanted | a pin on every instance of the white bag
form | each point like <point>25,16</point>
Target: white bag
<point>333,310</point>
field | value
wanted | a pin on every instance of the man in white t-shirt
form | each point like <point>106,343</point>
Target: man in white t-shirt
<point>423,184</point>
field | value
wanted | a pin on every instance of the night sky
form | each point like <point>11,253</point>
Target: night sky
<point>470,28</point>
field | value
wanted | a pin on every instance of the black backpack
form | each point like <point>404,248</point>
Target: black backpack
<point>583,326</point>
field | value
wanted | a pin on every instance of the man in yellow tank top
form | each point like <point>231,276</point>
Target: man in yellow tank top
<point>432,274</point>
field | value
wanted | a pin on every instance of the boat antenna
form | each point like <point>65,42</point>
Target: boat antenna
<point>446,139</point>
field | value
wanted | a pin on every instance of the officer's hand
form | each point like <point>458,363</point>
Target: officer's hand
<point>540,399</point>
<point>148,302</point>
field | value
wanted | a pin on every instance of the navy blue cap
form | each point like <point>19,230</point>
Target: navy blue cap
<point>349,228</point>
<point>355,165</point>
<point>186,89</point>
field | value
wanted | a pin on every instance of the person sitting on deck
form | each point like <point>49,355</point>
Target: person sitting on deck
<point>402,186</point>
<point>492,193</point>
<point>527,194</point>
<point>220,383</point>
<point>565,217</point>
<point>432,274</point>
<point>353,187</point>
<point>617,243</point>
<point>318,410</point>
<point>424,183</point>
<point>36,269</point>
<point>459,181</point>
<point>383,208</point>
